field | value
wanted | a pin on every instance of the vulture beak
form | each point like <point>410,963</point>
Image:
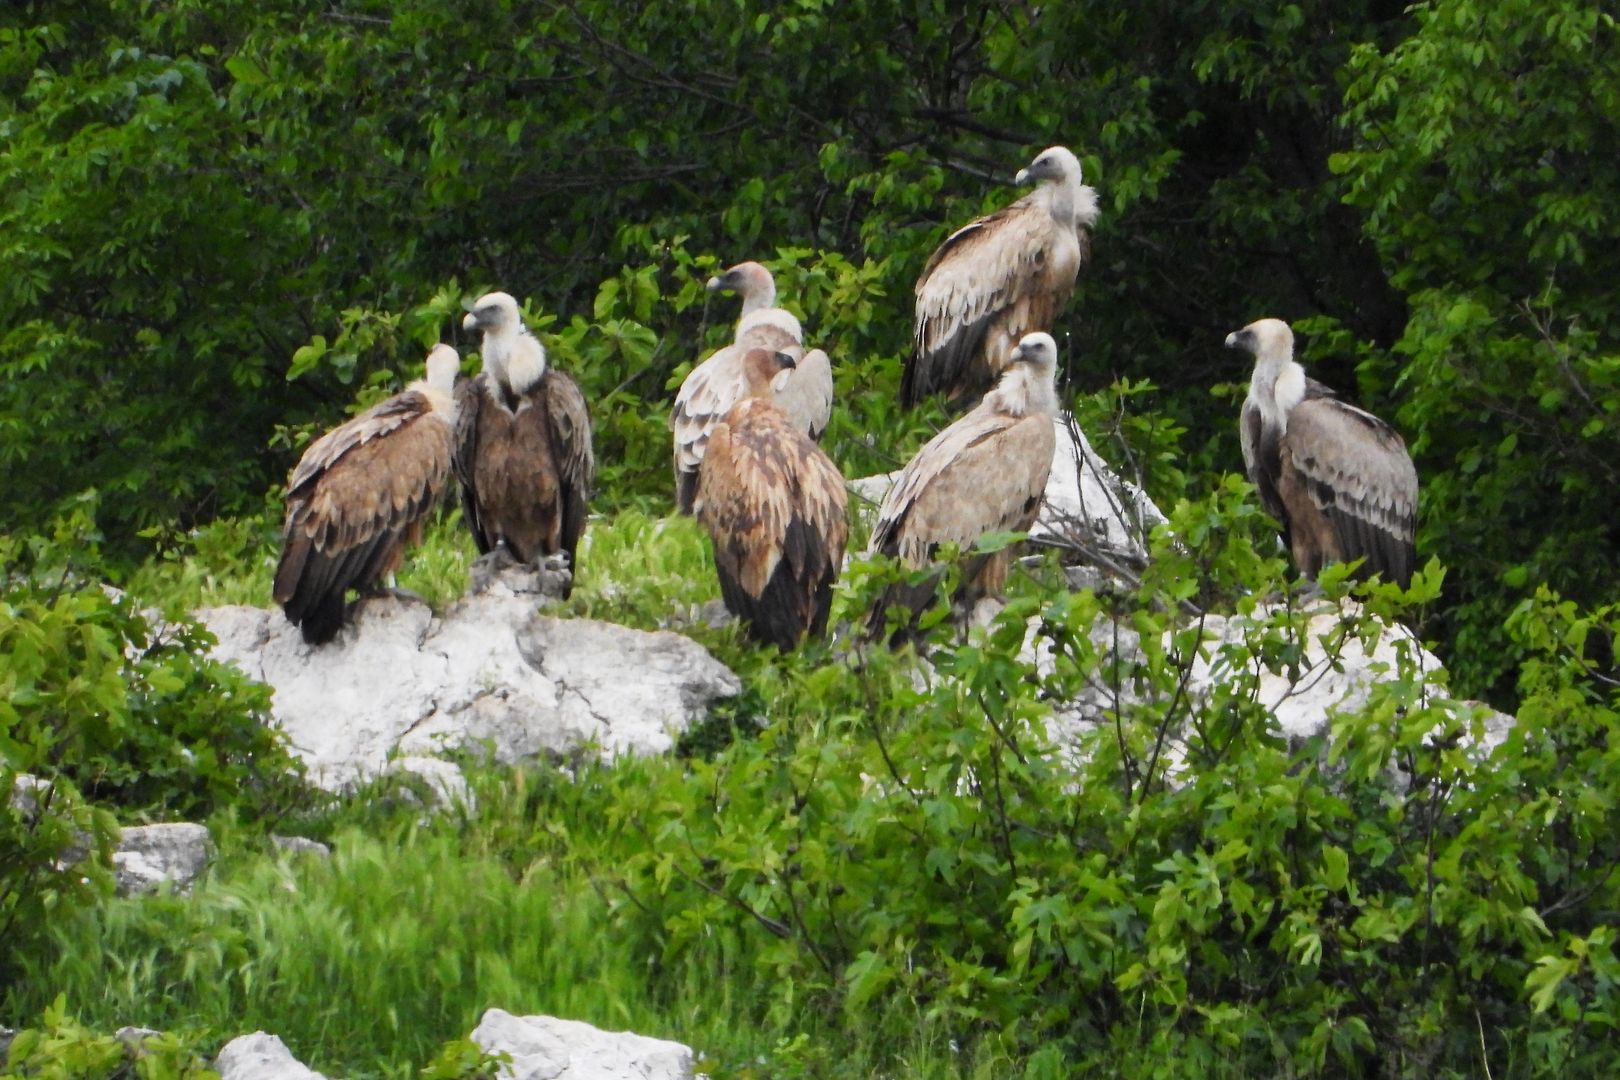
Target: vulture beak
<point>715,284</point>
<point>1022,178</point>
<point>471,321</point>
<point>1235,340</point>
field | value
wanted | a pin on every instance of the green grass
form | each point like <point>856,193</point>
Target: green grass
<point>367,962</point>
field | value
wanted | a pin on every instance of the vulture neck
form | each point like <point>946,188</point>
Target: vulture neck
<point>516,360</point>
<point>1023,391</point>
<point>762,296</point>
<point>780,318</point>
<point>1071,202</point>
<point>440,399</point>
<point>1278,384</point>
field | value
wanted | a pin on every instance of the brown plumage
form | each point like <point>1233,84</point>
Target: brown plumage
<point>1337,479</point>
<point>523,443</point>
<point>359,495</point>
<point>774,505</point>
<point>984,473</point>
<point>804,392</point>
<point>998,278</point>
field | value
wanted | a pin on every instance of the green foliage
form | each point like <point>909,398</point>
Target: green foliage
<point>61,1048</point>
<point>124,704</point>
<point>1509,367</point>
<point>1178,882</point>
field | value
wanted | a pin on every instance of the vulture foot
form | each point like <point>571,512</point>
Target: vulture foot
<point>548,575</point>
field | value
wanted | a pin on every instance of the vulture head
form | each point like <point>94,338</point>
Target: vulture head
<point>512,356</point>
<point>1265,340</point>
<point>493,313</point>
<point>1055,164</point>
<point>762,368</point>
<point>1029,381</point>
<point>750,281</point>
<point>443,365</point>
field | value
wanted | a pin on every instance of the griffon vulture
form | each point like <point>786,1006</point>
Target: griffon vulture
<point>996,279</point>
<point>804,393</point>
<point>523,443</point>
<point>774,505</point>
<point>1338,479</point>
<point>984,473</point>
<point>359,495</point>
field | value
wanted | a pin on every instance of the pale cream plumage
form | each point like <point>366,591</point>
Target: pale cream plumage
<point>985,473</point>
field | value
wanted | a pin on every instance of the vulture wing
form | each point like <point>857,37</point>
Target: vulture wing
<point>1357,472</point>
<point>356,499</point>
<point>984,473</point>
<point>990,283</point>
<point>709,392</point>
<point>572,455</point>
<point>806,396</point>
<point>774,504</point>
<point>471,396</point>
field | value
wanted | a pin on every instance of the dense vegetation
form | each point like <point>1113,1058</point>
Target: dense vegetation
<point>226,222</point>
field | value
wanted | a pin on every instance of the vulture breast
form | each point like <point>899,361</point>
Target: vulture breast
<point>525,463</point>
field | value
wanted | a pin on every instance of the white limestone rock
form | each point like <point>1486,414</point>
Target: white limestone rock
<point>1336,673</point>
<point>260,1056</point>
<point>401,684</point>
<point>149,855</point>
<point>546,1048</point>
<point>301,845</point>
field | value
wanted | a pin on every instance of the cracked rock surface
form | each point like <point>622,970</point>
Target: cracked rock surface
<point>399,685</point>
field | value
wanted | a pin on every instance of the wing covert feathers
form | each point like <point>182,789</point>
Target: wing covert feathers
<point>774,504</point>
<point>355,501</point>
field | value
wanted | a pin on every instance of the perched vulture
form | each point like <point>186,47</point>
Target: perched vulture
<point>1338,479</point>
<point>998,278</point>
<point>359,495</point>
<point>984,473</point>
<point>804,392</point>
<point>773,502</point>
<point>523,443</point>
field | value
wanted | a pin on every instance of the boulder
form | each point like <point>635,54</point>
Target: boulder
<point>260,1056</point>
<point>546,1048</point>
<point>149,855</point>
<point>301,845</point>
<point>1336,672</point>
<point>400,685</point>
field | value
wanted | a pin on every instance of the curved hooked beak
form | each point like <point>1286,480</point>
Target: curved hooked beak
<point>1022,178</point>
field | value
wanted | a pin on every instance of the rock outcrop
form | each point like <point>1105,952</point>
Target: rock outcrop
<point>260,1057</point>
<point>150,855</point>
<point>400,685</point>
<point>546,1048</point>
<point>1335,672</point>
